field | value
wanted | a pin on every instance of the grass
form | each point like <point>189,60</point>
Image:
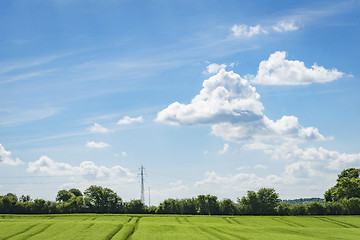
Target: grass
<point>132,227</point>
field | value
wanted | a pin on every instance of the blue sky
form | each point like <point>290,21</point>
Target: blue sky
<point>212,97</point>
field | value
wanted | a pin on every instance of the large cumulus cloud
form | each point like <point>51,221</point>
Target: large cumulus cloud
<point>232,107</point>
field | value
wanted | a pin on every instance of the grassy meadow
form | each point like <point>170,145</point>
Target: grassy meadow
<point>93,226</point>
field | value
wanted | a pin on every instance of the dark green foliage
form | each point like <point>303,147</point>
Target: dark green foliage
<point>284,209</point>
<point>169,206</point>
<point>316,208</point>
<point>76,192</point>
<point>63,196</point>
<point>335,208</point>
<point>263,202</point>
<point>228,207</point>
<point>134,206</point>
<point>103,200</point>
<point>347,186</point>
<point>188,206</point>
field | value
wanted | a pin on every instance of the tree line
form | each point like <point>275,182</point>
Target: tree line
<point>343,198</point>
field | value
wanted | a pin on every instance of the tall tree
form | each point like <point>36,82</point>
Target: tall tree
<point>347,186</point>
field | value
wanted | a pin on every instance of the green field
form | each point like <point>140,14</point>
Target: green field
<point>92,226</point>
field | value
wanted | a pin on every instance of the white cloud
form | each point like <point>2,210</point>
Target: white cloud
<point>247,31</point>
<point>86,170</point>
<point>123,154</point>
<point>214,68</point>
<point>97,128</point>
<point>285,26</point>
<point>260,166</point>
<point>7,159</point>
<point>327,159</point>
<point>285,129</point>
<point>279,71</point>
<point>93,144</point>
<point>233,108</point>
<point>225,149</point>
<point>225,97</point>
<point>129,120</point>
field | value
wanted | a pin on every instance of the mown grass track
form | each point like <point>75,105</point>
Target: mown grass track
<point>133,227</point>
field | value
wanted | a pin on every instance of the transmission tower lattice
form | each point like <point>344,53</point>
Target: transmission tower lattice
<point>142,184</point>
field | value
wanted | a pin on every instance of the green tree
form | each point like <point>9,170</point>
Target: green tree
<point>347,186</point>
<point>103,200</point>
<point>169,206</point>
<point>228,207</point>
<point>263,202</point>
<point>76,192</point>
<point>64,196</point>
<point>134,206</point>
<point>315,208</point>
<point>188,206</point>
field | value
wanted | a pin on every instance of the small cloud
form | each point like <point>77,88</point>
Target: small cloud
<point>260,166</point>
<point>129,120</point>
<point>86,171</point>
<point>123,154</point>
<point>285,26</point>
<point>206,152</point>
<point>214,68</point>
<point>6,158</point>
<point>93,144</point>
<point>247,31</point>
<point>242,168</point>
<point>225,149</point>
<point>97,128</point>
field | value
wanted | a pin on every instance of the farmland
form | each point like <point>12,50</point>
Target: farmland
<point>99,226</point>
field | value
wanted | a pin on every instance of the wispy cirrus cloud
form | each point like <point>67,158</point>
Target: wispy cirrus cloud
<point>285,26</point>
<point>129,120</point>
<point>16,116</point>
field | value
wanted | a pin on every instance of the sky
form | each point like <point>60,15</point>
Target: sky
<point>211,97</point>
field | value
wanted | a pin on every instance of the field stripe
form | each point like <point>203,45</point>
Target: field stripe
<point>213,233</point>
<point>226,219</point>
<point>236,221</point>
<point>333,221</point>
<point>127,229</point>
<point>18,233</point>
<point>230,234</point>
<point>114,232</point>
<point>134,228</point>
<point>41,230</point>
<point>289,223</point>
